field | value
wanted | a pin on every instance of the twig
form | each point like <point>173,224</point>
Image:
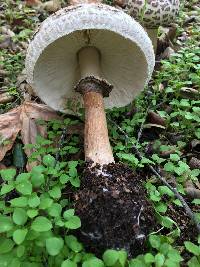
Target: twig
<point>60,144</point>
<point>188,210</point>
<point>142,125</point>
<point>159,230</point>
<point>138,218</point>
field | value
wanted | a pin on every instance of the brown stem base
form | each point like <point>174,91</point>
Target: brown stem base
<point>97,145</point>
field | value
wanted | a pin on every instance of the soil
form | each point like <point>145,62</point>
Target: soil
<point>114,210</point>
<point>188,230</point>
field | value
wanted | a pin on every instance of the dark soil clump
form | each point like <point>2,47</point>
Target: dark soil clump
<point>114,210</point>
<point>188,229</point>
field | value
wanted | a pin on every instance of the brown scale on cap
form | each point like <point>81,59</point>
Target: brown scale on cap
<point>153,13</point>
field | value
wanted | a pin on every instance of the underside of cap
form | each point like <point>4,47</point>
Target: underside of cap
<point>127,57</point>
<point>153,13</point>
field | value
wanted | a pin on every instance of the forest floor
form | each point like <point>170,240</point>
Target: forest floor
<point>157,136</point>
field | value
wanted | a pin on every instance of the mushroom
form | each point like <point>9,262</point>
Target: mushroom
<point>152,14</point>
<point>79,55</point>
<point>95,51</point>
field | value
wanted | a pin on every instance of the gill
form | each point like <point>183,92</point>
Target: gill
<point>87,37</point>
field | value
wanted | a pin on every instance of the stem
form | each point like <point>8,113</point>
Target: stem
<point>153,35</point>
<point>97,145</point>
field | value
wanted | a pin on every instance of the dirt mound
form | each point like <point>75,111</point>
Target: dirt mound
<point>114,210</point>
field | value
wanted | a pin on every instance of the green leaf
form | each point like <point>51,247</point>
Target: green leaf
<point>55,192</point>
<point>32,213</point>
<point>157,159</point>
<point>49,161</point>
<point>155,241</point>
<point>197,216</point>
<point>110,257</point>
<point>38,169</point>
<point>171,263</point>
<point>75,182</point>
<point>6,224</point>
<point>161,207</point>
<point>6,245</point>
<point>74,222</point>
<point>149,258</point>
<point>159,260</point>
<point>45,203</point>
<point>59,222</point>
<point>54,245</point>
<point>34,200</point>
<point>64,178</point>
<point>19,236</point>
<point>19,158</point>
<point>129,157</point>
<point>6,188</point>
<point>55,210</point>
<point>167,221</point>
<point>68,214</point>
<point>164,190</point>
<point>41,224</point>
<point>177,202</point>
<point>19,216</point>
<point>183,167</point>
<point>122,257</point>
<point>37,179</point>
<point>22,177</point>
<point>20,202</point>
<point>68,263</point>
<point>194,249</point>
<point>194,262</point>
<point>137,263</point>
<point>196,201</point>
<point>174,157</point>
<point>15,262</point>
<point>20,251</point>
<point>73,244</point>
<point>94,262</point>
<point>169,167</point>
<point>8,174</point>
<point>72,168</point>
<point>25,188</point>
<point>174,255</point>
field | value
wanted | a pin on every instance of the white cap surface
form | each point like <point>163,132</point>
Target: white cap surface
<point>127,57</point>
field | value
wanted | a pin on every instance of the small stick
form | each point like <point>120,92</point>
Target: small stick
<point>60,144</point>
<point>188,210</point>
<point>142,125</point>
<point>138,218</point>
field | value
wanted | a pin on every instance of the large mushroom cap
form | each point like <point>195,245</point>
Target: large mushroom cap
<point>153,13</point>
<point>127,57</point>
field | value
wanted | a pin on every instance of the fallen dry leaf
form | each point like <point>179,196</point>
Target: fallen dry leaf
<point>155,118</point>
<point>23,119</point>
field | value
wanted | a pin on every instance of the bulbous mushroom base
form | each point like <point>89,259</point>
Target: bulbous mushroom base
<point>114,210</point>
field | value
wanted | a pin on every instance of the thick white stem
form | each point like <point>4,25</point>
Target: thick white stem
<point>153,35</point>
<point>89,62</point>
